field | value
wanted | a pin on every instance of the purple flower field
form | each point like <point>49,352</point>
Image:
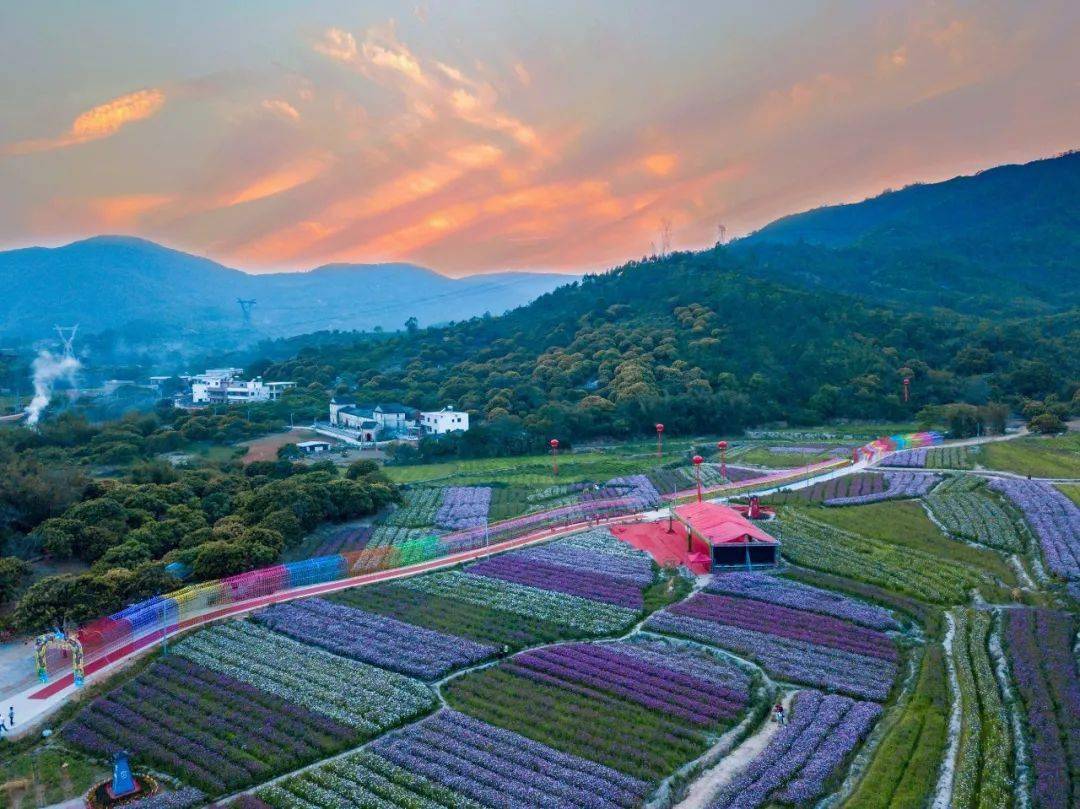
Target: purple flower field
<point>187,720</point>
<point>374,639</point>
<point>636,570</point>
<point>1053,517</point>
<point>501,768</point>
<point>897,484</point>
<point>606,668</point>
<point>794,660</point>
<point>808,627</point>
<point>582,583</point>
<point>914,458</point>
<point>345,539</point>
<point>787,593</point>
<point>464,507</point>
<point>801,757</point>
<point>1039,647</point>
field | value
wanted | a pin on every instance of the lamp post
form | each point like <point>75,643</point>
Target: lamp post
<point>697,459</point>
<point>659,440</point>
<point>554,442</point>
<point>722,446</point>
<point>907,388</point>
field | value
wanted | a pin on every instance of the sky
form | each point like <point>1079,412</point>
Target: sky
<point>477,136</point>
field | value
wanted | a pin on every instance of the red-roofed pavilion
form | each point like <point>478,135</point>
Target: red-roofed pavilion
<point>734,540</point>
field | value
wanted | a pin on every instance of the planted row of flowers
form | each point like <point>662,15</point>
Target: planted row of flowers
<point>358,695</point>
<point>914,458</point>
<point>585,615</point>
<point>1054,518</point>
<point>857,485</point>
<point>463,507</point>
<point>500,768</point>
<point>788,593</point>
<point>796,624</point>
<point>213,731</point>
<point>586,668</point>
<point>580,582</point>
<point>421,506</point>
<point>372,638</point>
<point>975,517</point>
<point>1039,644</point>
<point>983,773</point>
<point>796,766</point>
<point>897,485</point>
<point>636,569</point>
<point>788,659</point>
<point>362,779</point>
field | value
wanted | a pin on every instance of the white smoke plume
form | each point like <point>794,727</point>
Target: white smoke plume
<point>48,370</point>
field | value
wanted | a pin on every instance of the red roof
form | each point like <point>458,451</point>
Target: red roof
<point>720,525</point>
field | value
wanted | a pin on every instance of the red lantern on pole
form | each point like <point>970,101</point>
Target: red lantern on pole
<point>659,440</point>
<point>697,459</point>
<point>554,455</point>
<point>722,446</point>
<point>907,388</point>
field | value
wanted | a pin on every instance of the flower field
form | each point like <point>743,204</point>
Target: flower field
<point>463,507</point>
<point>361,779</point>
<point>187,719</point>
<point>584,615</point>
<point>372,638</point>
<point>912,458</point>
<point>804,755</point>
<point>983,772</point>
<point>791,644</point>
<point>814,544</point>
<point>1054,519</point>
<point>1039,646</point>
<point>973,516</point>
<point>787,593</point>
<point>357,695</point>
<point>897,484</point>
<point>498,767</point>
<point>420,508</point>
<point>625,723</point>
<point>846,486</point>
<point>562,579</point>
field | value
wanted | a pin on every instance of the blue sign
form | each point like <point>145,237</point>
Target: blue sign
<point>122,782</point>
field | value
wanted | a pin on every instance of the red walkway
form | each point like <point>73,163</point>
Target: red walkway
<point>665,548</point>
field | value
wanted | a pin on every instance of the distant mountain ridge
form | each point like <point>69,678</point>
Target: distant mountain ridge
<point>113,282</point>
<point>1004,240</point>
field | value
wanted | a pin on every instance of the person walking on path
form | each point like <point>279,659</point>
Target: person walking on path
<point>11,715</point>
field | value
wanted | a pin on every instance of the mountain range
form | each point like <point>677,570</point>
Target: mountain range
<point>817,317</point>
<point>142,289</point>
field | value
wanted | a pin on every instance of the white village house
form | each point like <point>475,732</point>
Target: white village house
<point>225,386</point>
<point>447,420</point>
<point>387,420</point>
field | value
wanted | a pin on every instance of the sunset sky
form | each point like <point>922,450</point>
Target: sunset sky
<point>481,136</point>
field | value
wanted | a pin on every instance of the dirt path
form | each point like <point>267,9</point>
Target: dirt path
<point>732,764</point>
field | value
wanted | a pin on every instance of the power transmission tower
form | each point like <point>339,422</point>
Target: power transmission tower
<point>67,338</point>
<point>721,231</point>
<point>665,237</point>
<point>246,305</point>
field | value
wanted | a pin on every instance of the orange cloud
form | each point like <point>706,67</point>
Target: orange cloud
<point>98,122</point>
<point>284,179</point>
<point>660,164</point>
<point>281,107</point>
<point>338,45</point>
<point>123,212</point>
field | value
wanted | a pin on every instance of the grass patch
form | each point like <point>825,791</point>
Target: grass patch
<point>1071,490</point>
<point>48,781</point>
<point>1050,457</point>
<point>667,589</point>
<point>904,523</point>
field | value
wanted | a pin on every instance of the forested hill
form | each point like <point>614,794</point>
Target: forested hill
<point>1006,241</point>
<point>696,341</point>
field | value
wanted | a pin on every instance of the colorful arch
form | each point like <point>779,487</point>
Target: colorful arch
<point>59,640</point>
